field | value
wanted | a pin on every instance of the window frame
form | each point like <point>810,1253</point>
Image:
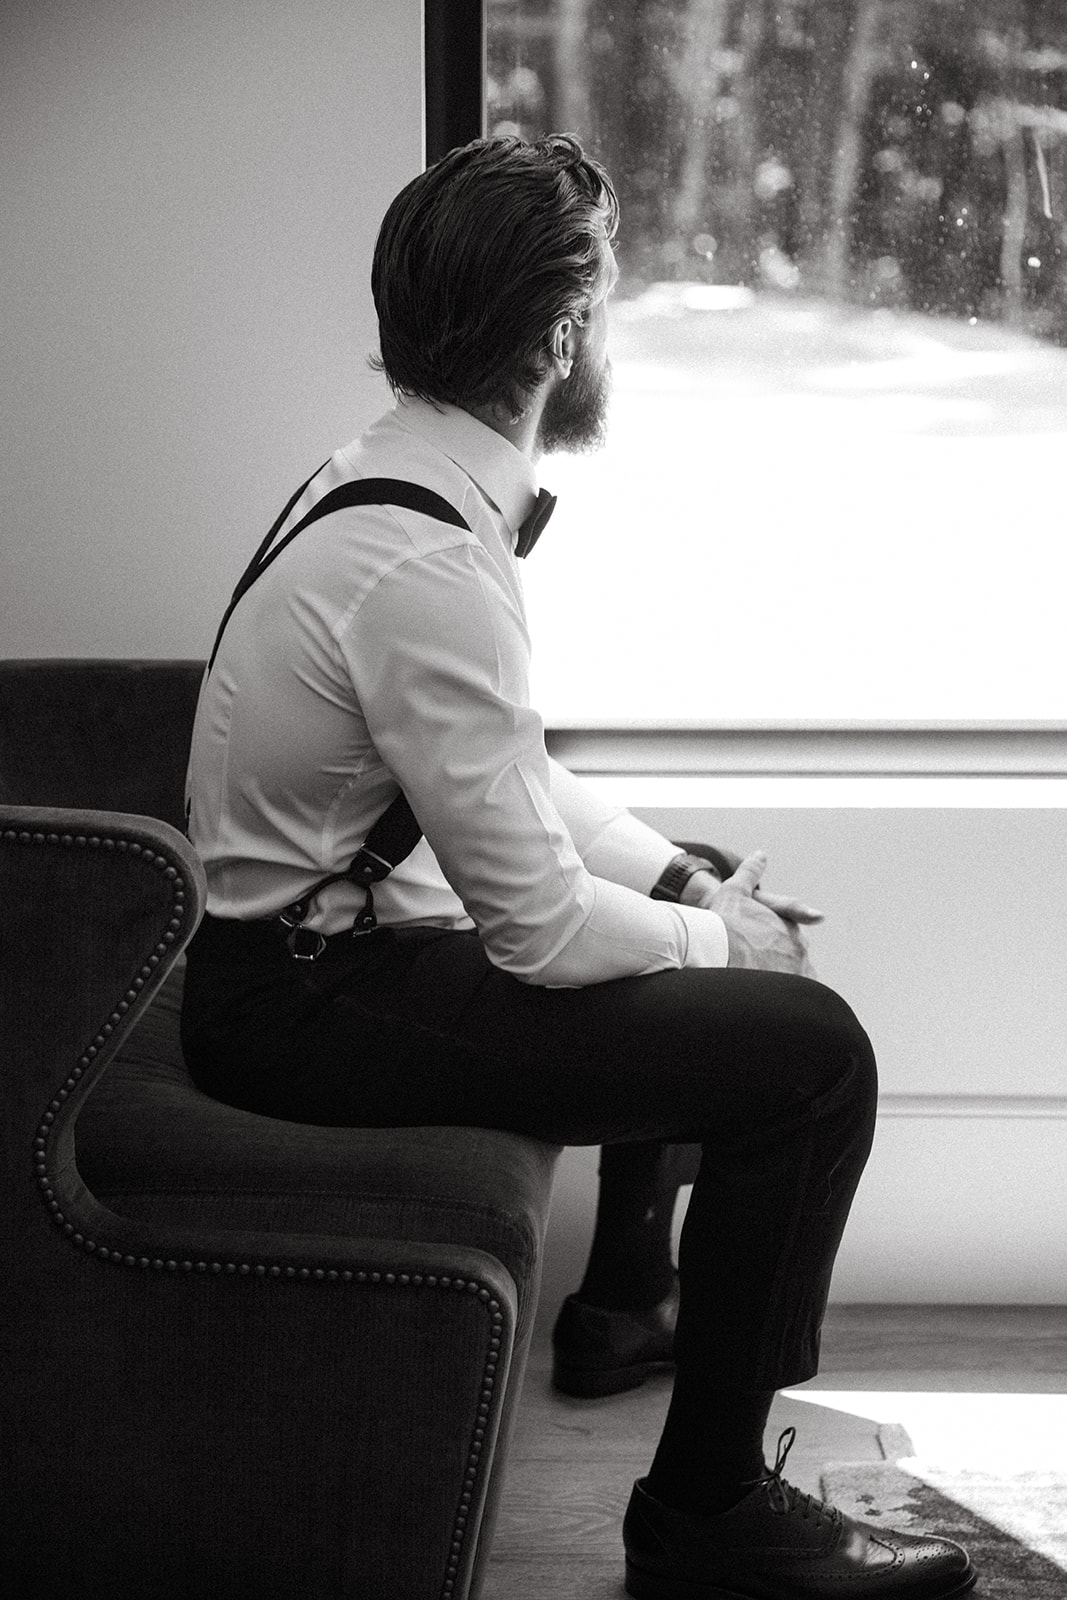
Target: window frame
<point>454,57</point>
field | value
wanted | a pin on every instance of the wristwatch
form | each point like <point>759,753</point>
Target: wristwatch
<point>677,873</point>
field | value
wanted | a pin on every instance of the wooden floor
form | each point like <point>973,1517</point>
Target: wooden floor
<point>572,1462</point>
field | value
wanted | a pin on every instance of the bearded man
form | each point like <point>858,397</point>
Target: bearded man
<point>539,961</point>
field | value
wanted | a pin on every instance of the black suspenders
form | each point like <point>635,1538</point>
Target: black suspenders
<point>396,832</point>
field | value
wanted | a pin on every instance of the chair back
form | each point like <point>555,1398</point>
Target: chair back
<point>101,735</point>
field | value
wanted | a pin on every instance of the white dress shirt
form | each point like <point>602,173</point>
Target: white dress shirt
<point>384,647</point>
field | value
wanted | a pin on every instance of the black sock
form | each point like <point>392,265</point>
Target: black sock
<point>711,1450</point>
<point>630,1266</point>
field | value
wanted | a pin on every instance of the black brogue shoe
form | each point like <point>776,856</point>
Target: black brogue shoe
<point>780,1544</point>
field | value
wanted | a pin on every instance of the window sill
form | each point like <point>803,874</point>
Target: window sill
<point>964,764</point>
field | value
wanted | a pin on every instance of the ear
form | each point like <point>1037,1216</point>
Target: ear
<point>563,345</point>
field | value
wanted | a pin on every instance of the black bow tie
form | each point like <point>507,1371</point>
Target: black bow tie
<point>530,528</point>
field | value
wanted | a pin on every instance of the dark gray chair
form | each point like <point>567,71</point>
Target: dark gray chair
<point>241,1356</point>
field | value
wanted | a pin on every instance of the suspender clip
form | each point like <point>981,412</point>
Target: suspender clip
<point>365,921</point>
<point>368,867</point>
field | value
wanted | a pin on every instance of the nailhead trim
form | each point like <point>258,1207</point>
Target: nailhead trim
<point>179,914</point>
<point>257,1269</point>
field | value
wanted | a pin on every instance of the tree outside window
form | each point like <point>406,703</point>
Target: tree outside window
<point>840,338</point>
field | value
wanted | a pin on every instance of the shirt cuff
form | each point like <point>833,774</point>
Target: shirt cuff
<point>629,852</point>
<point>709,945</point>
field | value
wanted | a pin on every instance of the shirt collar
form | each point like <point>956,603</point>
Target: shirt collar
<point>503,474</point>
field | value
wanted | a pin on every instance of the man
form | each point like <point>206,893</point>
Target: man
<point>539,962</point>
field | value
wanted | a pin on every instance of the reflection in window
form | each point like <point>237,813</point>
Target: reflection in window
<point>840,340</point>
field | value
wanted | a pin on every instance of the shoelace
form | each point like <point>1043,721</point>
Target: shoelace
<point>785,1497</point>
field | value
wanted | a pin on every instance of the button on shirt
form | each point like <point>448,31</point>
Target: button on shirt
<point>385,648</point>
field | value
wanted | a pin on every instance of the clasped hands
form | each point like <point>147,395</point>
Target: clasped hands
<point>763,929</point>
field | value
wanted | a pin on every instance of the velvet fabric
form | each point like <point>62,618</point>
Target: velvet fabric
<point>241,1356</point>
<point>153,1146</point>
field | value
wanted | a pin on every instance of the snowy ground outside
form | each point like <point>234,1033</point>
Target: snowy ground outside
<point>808,513</point>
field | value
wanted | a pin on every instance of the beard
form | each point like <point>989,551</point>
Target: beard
<point>576,413</point>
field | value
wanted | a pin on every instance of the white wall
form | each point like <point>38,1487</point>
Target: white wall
<point>945,930</point>
<point>190,193</point>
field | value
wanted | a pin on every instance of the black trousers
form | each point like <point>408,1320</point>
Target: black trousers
<point>772,1075</point>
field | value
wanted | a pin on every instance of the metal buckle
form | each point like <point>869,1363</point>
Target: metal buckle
<point>304,944</point>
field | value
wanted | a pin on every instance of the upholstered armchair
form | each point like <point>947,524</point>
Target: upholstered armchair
<point>241,1356</point>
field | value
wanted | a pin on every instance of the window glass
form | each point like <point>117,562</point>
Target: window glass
<point>833,486</point>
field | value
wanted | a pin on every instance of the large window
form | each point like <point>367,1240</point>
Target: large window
<point>833,488</point>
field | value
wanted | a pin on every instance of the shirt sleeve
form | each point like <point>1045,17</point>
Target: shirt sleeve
<point>441,672</point>
<point>611,841</point>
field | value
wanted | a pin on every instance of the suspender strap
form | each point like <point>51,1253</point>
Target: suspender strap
<point>251,572</point>
<point>396,832</point>
<point>364,492</point>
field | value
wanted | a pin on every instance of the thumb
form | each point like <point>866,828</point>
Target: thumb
<point>748,874</point>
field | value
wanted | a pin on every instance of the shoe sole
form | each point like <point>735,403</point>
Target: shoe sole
<point>586,1385</point>
<point>651,1586</point>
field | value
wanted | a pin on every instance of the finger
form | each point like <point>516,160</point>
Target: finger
<point>787,908</point>
<point>749,873</point>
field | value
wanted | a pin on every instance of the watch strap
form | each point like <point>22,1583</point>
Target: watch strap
<point>677,873</point>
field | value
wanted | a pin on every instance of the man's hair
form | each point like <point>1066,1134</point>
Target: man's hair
<point>479,257</point>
